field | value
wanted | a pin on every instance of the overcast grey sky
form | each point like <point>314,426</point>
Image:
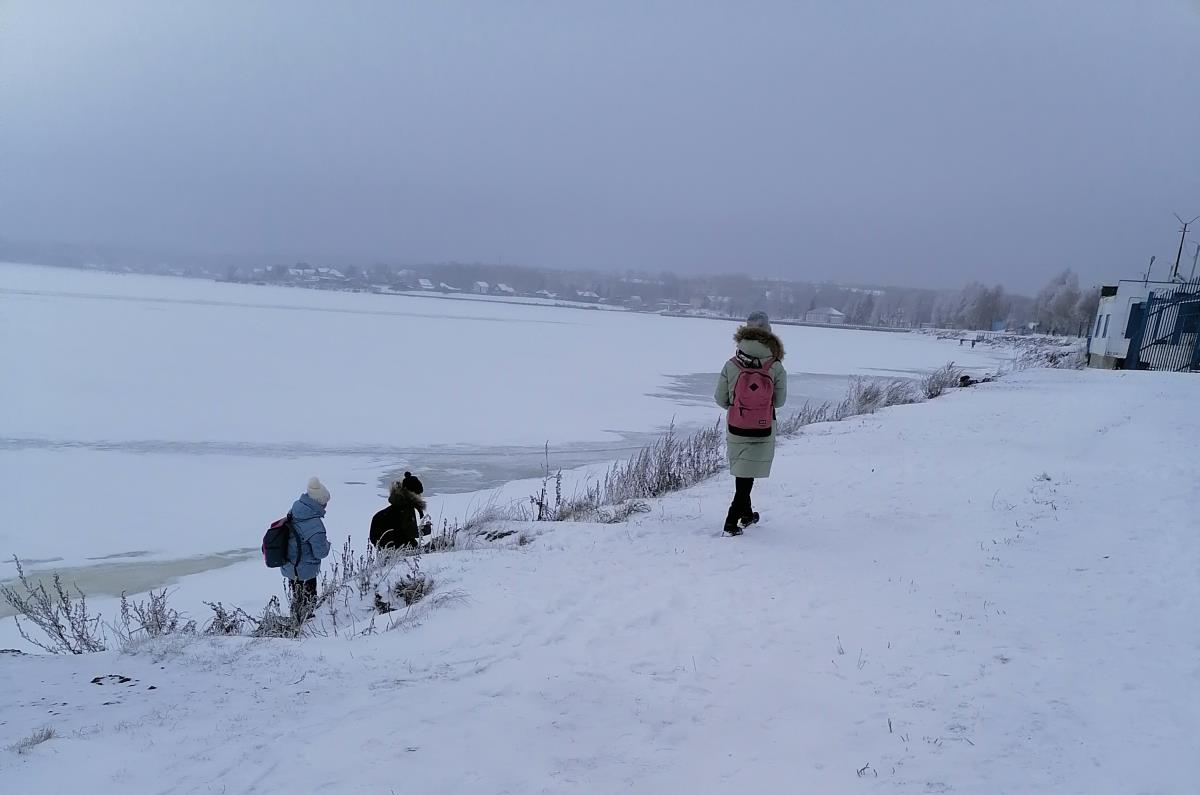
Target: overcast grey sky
<point>926,143</point>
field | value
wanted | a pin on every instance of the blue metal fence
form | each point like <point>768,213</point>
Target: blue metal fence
<point>1166,330</point>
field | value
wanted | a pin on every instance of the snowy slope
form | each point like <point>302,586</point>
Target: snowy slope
<point>994,592</point>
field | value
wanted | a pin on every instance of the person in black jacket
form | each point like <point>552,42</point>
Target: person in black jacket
<point>396,527</point>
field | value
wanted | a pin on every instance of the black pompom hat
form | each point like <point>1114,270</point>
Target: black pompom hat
<point>412,483</point>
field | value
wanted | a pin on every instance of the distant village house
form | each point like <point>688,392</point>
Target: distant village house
<point>826,315</point>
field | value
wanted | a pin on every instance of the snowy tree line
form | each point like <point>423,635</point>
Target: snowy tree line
<point>1060,307</point>
<point>1063,308</point>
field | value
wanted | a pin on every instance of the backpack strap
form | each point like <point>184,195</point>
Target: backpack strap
<point>291,523</point>
<point>746,362</point>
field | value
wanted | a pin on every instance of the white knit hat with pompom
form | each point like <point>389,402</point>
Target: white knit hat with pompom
<point>317,490</point>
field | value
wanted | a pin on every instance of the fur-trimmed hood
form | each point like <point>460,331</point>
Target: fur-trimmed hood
<point>403,498</point>
<point>750,338</point>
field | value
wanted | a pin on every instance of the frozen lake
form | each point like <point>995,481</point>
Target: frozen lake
<point>169,420</point>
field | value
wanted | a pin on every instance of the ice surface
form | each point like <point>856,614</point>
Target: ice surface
<point>97,357</point>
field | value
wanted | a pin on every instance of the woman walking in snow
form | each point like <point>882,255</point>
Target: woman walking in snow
<point>308,546</point>
<point>751,386</point>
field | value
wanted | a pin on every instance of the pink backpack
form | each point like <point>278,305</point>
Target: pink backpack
<point>753,409</point>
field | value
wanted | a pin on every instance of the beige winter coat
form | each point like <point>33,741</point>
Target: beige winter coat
<point>751,457</point>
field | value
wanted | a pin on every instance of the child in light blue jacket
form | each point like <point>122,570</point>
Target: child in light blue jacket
<point>308,545</point>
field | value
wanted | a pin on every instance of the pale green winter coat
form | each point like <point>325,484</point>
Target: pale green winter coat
<point>751,457</point>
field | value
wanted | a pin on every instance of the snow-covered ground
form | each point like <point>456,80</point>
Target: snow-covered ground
<point>994,592</point>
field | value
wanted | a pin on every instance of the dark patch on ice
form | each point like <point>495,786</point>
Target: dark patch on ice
<point>899,372</point>
<point>33,561</point>
<point>112,577</point>
<point>467,466</point>
<point>184,447</point>
<point>456,469</point>
<point>695,389</point>
<point>138,553</point>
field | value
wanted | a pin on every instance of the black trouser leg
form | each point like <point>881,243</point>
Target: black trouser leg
<point>304,598</point>
<point>744,487</point>
<point>740,508</point>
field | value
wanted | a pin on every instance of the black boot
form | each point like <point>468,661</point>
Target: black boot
<point>733,525</point>
<point>740,511</point>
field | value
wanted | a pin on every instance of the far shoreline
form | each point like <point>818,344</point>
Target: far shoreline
<point>465,297</point>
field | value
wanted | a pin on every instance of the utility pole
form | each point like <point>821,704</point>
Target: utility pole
<point>1195,257</point>
<point>1182,237</point>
